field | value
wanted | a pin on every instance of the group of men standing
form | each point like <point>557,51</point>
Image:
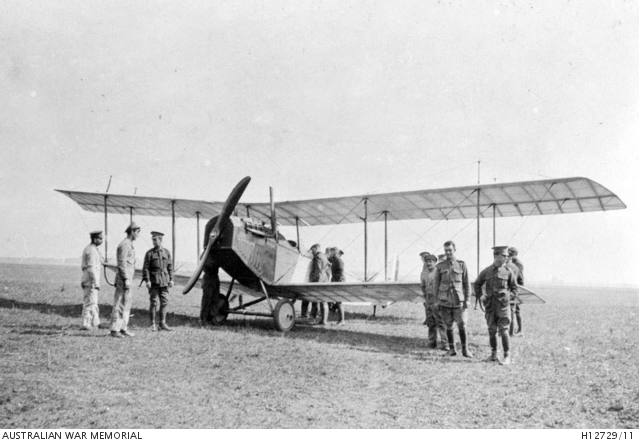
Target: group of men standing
<point>325,267</point>
<point>446,291</point>
<point>444,282</point>
<point>157,273</point>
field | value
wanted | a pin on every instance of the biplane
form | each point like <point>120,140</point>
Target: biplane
<point>245,237</point>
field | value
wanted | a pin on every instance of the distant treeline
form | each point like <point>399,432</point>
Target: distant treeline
<point>42,261</point>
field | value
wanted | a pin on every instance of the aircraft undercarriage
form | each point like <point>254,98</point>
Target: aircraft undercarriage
<point>283,313</point>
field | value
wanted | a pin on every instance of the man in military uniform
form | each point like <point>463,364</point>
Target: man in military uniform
<point>434,319</point>
<point>337,275</point>
<point>319,273</point>
<point>122,298</point>
<point>518,268</point>
<point>211,300</point>
<point>423,256</point>
<point>91,268</point>
<point>500,286</point>
<point>451,284</point>
<point>157,273</point>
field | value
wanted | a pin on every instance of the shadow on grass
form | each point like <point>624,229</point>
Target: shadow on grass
<point>139,317</point>
<point>414,347</point>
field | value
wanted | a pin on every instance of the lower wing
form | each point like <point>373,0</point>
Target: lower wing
<point>375,293</point>
<point>528,297</point>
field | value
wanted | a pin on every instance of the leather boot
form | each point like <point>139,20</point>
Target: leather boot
<point>304,312</point>
<point>163,325</point>
<point>443,339</point>
<point>520,331</point>
<point>505,342</point>
<point>493,348</point>
<point>464,342</point>
<point>323,308</point>
<point>451,343</point>
<point>152,311</point>
<point>432,337</point>
<point>342,315</point>
<point>511,331</point>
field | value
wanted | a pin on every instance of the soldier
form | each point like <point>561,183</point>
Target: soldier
<point>451,284</point>
<point>328,252</point>
<point>211,301</point>
<point>500,285</point>
<point>423,256</point>
<point>434,320</point>
<point>122,298</point>
<point>91,262</point>
<point>337,275</point>
<point>319,273</point>
<point>518,268</point>
<point>157,273</point>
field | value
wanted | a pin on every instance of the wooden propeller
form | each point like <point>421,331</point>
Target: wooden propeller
<point>227,210</point>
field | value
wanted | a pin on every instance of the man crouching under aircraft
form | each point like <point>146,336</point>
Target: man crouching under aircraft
<point>211,301</point>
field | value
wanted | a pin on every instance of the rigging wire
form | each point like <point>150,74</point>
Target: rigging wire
<point>432,227</point>
<point>531,211</point>
<point>320,240</point>
<point>542,229</point>
<point>450,238</point>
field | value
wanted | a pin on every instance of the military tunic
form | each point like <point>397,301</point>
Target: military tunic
<point>517,268</point>
<point>91,264</point>
<point>337,270</point>
<point>122,298</point>
<point>320,269</point>
<point>451,283</point>
<point>500,285</point>
<point>158,270</point>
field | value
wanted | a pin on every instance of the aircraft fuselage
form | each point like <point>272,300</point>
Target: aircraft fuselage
<point>248,253</point>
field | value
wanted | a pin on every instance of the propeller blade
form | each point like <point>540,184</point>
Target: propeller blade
<point>227,210</point>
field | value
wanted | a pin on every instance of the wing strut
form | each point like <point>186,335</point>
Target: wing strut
<point>106,228</point>
<point>197,216</point>
<point>385,245</point>
<point>478,213</point>
<point>365,239</point>
<point>494,227</point>
<point>173,231</point>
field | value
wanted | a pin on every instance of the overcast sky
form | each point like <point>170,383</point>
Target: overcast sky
<point>319,99</point>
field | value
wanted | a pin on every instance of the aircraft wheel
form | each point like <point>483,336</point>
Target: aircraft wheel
<point>221,309</point>
<point>284,315</point>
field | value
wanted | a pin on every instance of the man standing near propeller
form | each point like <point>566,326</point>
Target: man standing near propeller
<point>211,300</point>
<point>211,280</point>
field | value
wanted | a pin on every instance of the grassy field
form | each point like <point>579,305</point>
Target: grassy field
<point>576,366</point>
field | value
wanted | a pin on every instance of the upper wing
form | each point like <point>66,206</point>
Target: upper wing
<point>540,197</point>
<point>140,205</point>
